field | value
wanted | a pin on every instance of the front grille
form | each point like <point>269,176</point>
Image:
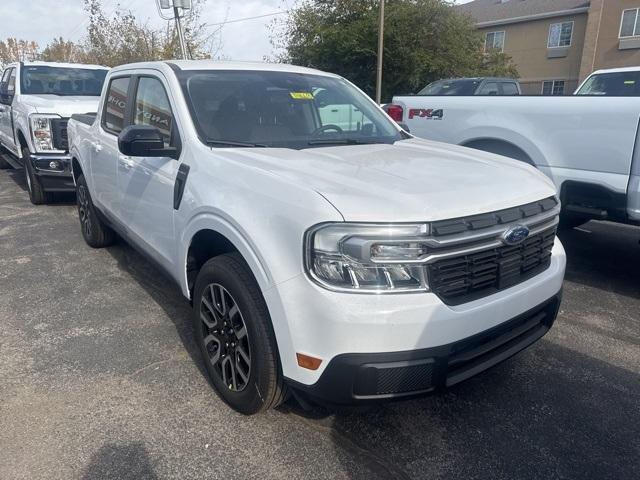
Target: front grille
<point>59,132</point>
<point>469,277</point>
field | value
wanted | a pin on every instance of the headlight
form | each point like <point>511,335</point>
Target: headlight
<point>367,258</point>
<point>41,132</point>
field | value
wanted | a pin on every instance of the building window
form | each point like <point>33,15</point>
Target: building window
<point>553,87</point>
<point>630,24</point>
<point>560,35</point>
<point>494,41</point>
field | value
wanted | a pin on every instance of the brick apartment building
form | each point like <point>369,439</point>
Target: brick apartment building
<point>557,43</point>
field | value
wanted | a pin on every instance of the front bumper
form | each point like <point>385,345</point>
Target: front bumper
<point>362,377</point>
<point>311,320</point>
<point>59,179</point>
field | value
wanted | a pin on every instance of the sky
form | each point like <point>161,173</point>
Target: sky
<point>248,39</point>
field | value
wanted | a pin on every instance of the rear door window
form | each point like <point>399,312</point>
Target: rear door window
<point>115,107</point>
<point>489,88</point>
<point>509,88</point>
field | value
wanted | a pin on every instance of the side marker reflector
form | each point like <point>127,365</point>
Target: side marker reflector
<point>310,363</point>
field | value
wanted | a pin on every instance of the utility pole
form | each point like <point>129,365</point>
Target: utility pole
<point>177,6</point>
<point>183,44</point>
<point>380,53</point>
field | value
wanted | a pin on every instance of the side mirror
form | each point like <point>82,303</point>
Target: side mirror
<point>405,127</point>
<point>143,141</point>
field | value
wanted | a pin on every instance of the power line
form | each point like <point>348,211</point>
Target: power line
<point>86,20</point>
<point>236,20</point>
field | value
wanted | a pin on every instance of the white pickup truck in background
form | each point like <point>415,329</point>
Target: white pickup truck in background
<point>585,144</point>
<point>36,101</point>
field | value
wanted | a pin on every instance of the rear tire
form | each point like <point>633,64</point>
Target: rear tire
<point>232,324</point>
<point>37,195</point>
<point>94,231</point>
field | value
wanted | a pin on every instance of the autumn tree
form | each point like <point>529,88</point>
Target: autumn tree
<point>121,38</point>
<point>61,50</point>
<point>425,40</point>
<point>15,50</point>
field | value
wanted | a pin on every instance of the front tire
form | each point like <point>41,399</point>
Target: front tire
<point>37,195</point>
<point>233,330</point>
<point>94,231</point>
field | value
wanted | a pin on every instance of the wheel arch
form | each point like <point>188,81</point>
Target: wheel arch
<point>22,141</point>
<point>207,236</point>
<point>76,168</point>
<point>499,147</point>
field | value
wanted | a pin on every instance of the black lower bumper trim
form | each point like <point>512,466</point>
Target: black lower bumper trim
<point>361,377</point>
<point>57,183</point>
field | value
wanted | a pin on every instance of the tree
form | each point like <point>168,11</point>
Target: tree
<point>425,40</point>
<point>61,50</point>
<point>14,50</point>
<point>122,39</point>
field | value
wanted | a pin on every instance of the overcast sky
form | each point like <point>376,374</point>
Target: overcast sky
<point>43,20</point>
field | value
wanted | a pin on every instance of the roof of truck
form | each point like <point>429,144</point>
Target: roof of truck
<point>65,65</point>
<point>218,65</point>
<point>617,70</point>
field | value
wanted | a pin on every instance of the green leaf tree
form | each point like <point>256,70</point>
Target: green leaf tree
<point>425,40</point>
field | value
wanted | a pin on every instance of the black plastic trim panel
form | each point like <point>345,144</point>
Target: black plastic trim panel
<point>478,222</point>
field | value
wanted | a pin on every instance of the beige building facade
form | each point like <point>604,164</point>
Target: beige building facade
<point>556,44</point>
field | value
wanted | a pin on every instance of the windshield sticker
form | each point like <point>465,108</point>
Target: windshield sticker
<point>301,95</point>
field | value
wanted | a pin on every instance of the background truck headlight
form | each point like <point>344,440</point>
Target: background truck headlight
<point>367,258</point>
<point>41,132</point>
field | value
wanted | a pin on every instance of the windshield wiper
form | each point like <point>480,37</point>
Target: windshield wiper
<point>232,143</point>
<point>339,141</point>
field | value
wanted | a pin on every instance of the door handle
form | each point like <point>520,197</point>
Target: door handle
<point>96,146</point>
<point>126,162</point>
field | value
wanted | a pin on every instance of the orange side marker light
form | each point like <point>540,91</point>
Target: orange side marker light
<point>310,363</point>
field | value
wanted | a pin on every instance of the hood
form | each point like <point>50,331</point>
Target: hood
<point>411,180</point>
<point>65,106</point>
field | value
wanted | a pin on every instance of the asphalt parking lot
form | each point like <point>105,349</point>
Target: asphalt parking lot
<point>99,378</point>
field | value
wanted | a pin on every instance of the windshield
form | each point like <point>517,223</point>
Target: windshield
<point>621,84</point>
<point>44,80</point>
<point>282,109</point>
<point>451,87</point>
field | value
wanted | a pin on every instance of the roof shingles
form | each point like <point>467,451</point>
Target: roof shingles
<point>499,10</point>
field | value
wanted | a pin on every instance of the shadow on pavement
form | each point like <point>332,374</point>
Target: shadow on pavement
<point>551,413</point>
<point>605,256</point>
<point>121,462</point>
<point>164,292</point>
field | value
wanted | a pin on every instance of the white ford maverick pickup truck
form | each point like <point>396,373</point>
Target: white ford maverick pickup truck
<point>36,101</point>
<point>343,263</point>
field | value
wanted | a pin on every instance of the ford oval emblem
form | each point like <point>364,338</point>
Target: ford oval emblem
<point>515,235</point>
